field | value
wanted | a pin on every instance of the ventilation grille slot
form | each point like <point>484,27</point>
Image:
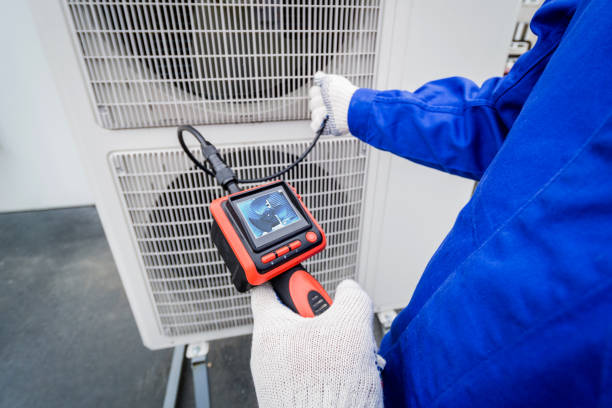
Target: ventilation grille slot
<point>217,61</point>
<point>167,200</point>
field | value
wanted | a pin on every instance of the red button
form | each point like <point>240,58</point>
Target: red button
<point>311,236</point>
<point>295,245</point>
<point>268,257</point>
<point>282,251</point>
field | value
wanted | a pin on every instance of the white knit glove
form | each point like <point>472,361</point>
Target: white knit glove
<point>330,97</point>
<point>325,361</point>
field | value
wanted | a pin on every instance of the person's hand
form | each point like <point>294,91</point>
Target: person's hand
<point>330,97</point>
<point>324,361</point>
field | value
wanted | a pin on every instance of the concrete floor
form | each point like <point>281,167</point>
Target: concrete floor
<point>67,336</point>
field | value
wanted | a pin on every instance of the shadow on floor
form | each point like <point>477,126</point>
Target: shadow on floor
<point>67,335</point>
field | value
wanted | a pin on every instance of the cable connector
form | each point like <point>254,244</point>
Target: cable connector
<point>222,172</point>
<point>225,175</point>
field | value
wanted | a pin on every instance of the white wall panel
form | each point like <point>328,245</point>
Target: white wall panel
<point>39,165</point>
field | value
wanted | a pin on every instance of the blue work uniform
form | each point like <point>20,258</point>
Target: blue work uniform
<point>515,307</point>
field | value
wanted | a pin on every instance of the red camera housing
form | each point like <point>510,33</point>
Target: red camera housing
<point>256,243</point>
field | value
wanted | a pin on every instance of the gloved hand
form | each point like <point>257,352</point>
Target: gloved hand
<point>330,96</point>
<point>325,361</point>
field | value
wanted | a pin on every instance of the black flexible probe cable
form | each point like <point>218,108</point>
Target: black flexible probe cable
<point>221,171</point>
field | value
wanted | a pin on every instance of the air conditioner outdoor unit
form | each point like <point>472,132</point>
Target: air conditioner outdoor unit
<point>130,71</point>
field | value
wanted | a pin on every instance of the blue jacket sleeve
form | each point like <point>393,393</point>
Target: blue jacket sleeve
<point>452,124</point>
<point>449,124</point>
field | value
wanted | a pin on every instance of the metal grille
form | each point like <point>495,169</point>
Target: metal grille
<point>167,203</point>
<point>162,63</point>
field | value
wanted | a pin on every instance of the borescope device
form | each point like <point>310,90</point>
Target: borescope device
<point>264,233</point>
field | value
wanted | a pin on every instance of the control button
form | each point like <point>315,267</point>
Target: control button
<point>295,244</point>
<point>268,257</point>
<point>311,236</point>
<point>282,251</point>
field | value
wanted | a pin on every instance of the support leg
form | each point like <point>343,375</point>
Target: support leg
<point>199,367</point>
<point>174,377</point>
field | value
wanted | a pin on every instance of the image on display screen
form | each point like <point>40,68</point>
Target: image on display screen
<point>268,212</point>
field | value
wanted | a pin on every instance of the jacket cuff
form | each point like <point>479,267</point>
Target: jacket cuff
<point>359,111</point>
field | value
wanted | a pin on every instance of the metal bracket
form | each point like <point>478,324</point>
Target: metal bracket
<point>197,353</point>
<point>197,350</point>
<point>386,318</point>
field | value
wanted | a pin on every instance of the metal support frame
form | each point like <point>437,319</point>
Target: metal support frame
<point>197,353</point>
<point>174,377</point>
<point>199,368</point>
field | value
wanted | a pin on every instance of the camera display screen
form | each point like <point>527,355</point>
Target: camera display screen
<point>268,212</point>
